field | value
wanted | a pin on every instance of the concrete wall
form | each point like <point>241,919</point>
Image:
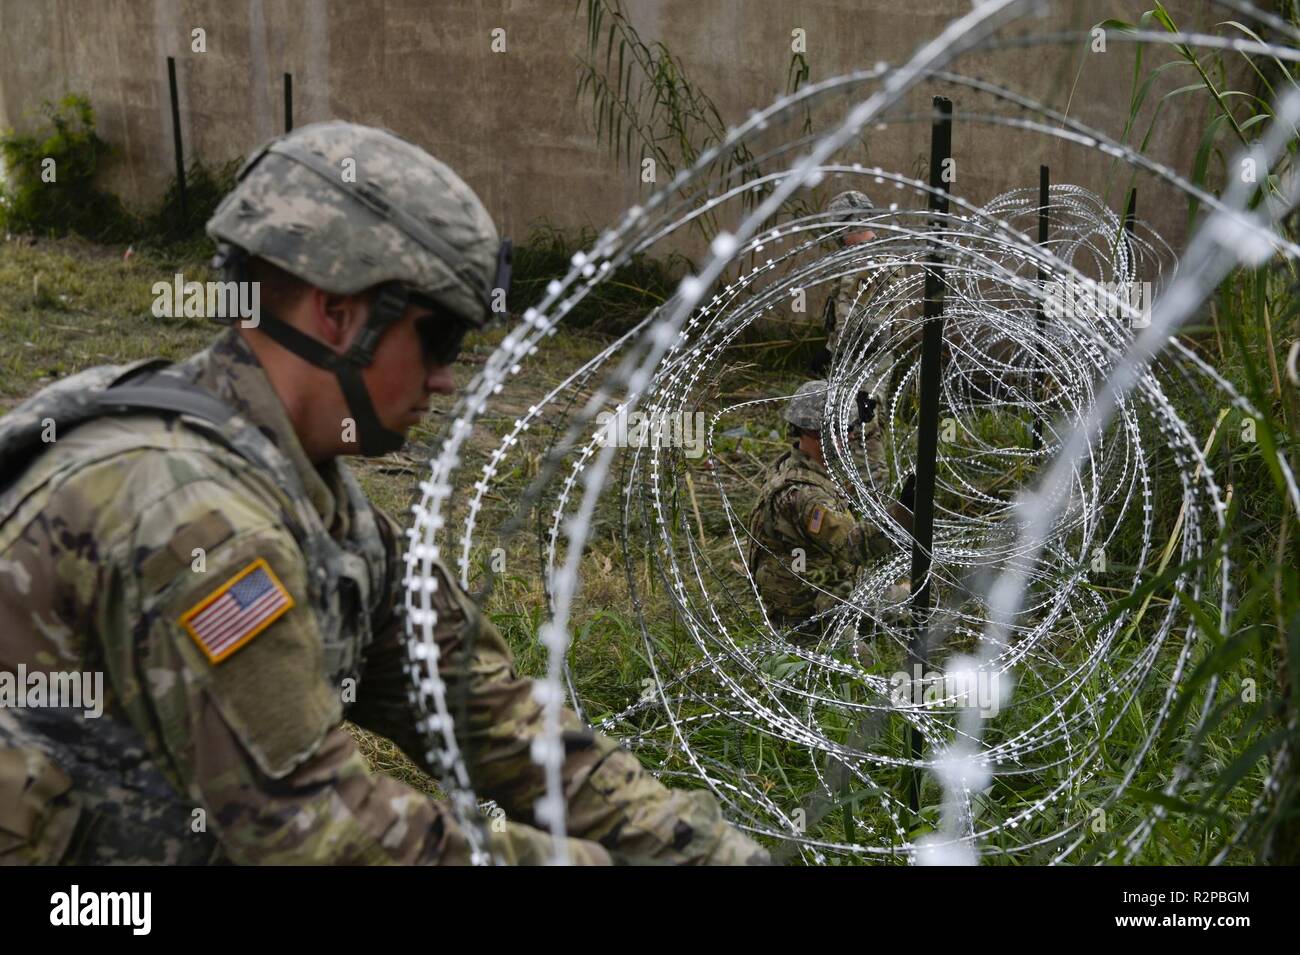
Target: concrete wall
<point>509,122</point>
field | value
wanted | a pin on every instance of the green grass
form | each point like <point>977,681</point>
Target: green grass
<point>66,305</point>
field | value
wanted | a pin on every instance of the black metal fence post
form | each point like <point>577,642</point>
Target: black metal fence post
<point>1044,183</point>
<point>927,441</point>
<point>288,102</point>
<point>1130,215</point>
<point>176,140</point>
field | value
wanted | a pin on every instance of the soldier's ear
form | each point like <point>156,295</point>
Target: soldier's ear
<point>336,319</point>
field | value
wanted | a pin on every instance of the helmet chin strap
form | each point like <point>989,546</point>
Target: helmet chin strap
<point>388,307</point>
<point>376,440</point>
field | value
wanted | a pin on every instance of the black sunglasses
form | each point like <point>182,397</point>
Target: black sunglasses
<point>441,334</point>
<point>441,338</point>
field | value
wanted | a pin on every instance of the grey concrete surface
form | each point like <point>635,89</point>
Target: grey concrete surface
<point>511,122</point>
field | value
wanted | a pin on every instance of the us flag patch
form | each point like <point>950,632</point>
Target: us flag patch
<point>242,607</point>
<point>815,521</point>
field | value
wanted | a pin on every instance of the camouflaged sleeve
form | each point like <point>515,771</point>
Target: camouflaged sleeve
<point>611,798</point>
<point>252,735</point>
<point>874,439</point>
<point>823,526</point>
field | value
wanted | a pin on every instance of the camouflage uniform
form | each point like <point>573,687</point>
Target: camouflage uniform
<point>843,297</point>
<point>853,295</point>
<point>851,299</point>
<point>124,527</point>
<point>97,565</point>
<point>800,506</point>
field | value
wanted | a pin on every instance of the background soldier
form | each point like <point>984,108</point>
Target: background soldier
<point>800,507</point>
<point>853,293</point>
<point>222,566</point>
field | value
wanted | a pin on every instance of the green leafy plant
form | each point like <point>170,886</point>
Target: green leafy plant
<point>51,188</point>
<point>205,186</point>
<point>645,106</point>
<point>1243,737</point>
<point>51,177</point>
<point>613,306</point>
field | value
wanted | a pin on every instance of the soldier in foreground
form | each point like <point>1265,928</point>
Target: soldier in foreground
<point>805,548</point>
<point>222,568</point>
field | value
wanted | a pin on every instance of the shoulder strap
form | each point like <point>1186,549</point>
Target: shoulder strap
<point>158,392</point>
<point>104,391</point>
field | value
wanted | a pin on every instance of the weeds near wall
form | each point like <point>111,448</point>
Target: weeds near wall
<point>645,107</point>
<point>50,187</point>
<point>51,178</point>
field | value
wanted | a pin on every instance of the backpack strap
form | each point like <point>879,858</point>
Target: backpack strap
<point>140,387</point>
<point>147,389</point>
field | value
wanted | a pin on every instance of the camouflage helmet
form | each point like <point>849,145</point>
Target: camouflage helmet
<point>346,207</point>
<point>848,202</point>
<point>804,410</point>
